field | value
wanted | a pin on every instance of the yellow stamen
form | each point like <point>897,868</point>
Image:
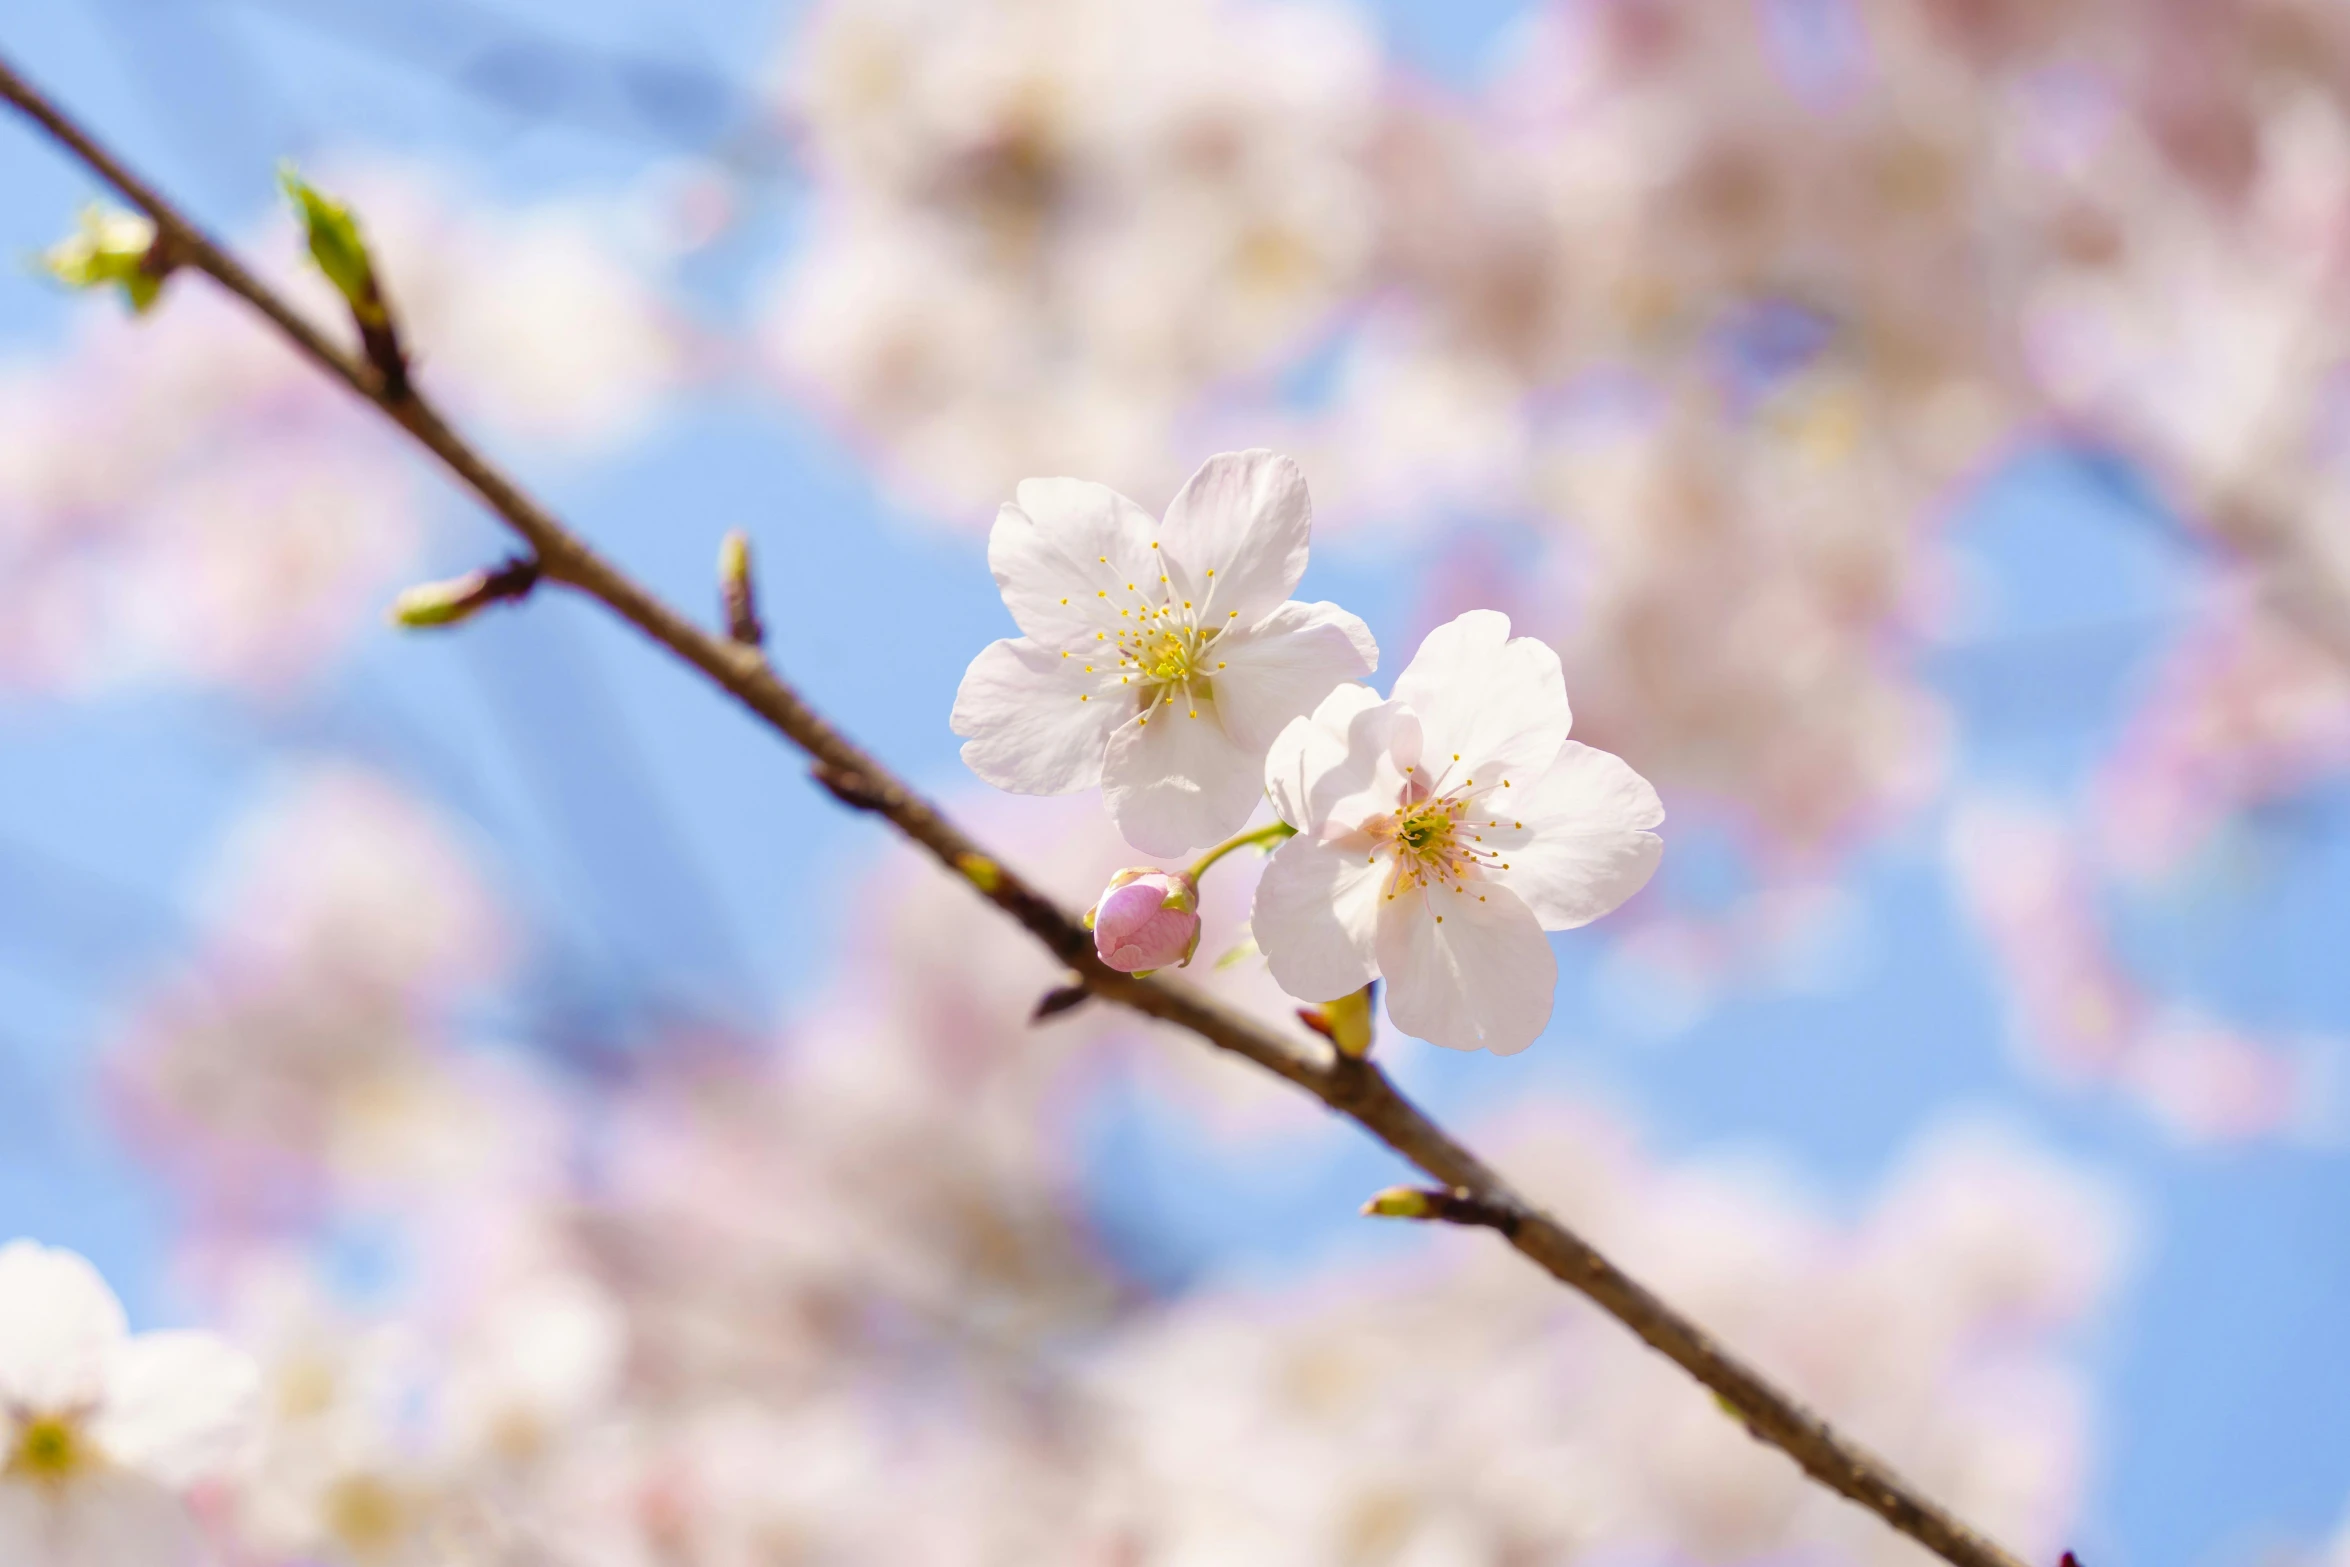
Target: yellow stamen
<point>48,1448</point>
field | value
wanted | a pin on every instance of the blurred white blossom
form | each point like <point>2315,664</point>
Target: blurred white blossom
<point>184,497</point>
<point>1047,230</point>
<point>102,1431</point>
<point>841,1294</point>
<point>301,1040</point>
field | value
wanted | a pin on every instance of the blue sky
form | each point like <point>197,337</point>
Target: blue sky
<point>645,820</point>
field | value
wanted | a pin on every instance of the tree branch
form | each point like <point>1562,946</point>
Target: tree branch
<point>1357,1089</point>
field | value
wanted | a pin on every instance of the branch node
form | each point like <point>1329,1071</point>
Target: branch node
<point>381,340</point>
<point>1061,998</point>
<point>851,789</point>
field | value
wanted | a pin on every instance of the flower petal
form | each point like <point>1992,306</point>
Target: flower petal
<point>58,1324</point>
<point>1496,701</point>
<point>1481,976</point>
<point>178,1406</point>
<point>116,1519</point>
<point>1036,722</point>
<point>1316,917</point>
<point>1174,781</point>
<point>1069,556</point>
<point>1587,841</point>
<point>1387,738</point>
<point>1346,751</point>
<point>1245,518</point>
<point>1284,665</point>
<point>28,1511</point>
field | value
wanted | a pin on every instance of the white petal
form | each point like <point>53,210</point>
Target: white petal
<point>1245,517</point>
<point>178,1407</point>
<point>1479,977</point>
<point>1345,752</point>
<point>1587,842</point>
<point>1282,667</point>
<point>1387,740</point>
<point>1497,702</point>
<point>116,1519</point>
<point>1309,748</point>
<point>27,1519</point>
<point>58,1324</point>
<point>1069,556</point>
<point>1316,917</point>
<point>1174,781</point>
<point>1036,722</point>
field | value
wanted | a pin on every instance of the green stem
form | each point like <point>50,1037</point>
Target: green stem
<point>1270,833</point>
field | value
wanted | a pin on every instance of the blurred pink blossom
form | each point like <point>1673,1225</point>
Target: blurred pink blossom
<point>2079,1014</point>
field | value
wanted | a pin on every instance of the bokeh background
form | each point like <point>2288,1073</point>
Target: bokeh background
<point>1918,424</point>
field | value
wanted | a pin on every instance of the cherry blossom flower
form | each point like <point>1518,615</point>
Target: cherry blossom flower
<point>1441,832</point>
<point>100,1431</point>
<point>1159,660</point>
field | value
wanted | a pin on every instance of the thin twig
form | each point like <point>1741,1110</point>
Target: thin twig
<point>1357,1089</point>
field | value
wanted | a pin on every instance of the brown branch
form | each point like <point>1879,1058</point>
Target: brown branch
<point>1357,1089</point>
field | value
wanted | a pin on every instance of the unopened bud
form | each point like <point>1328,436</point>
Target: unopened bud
<point>735,593</point>
<point>1399,1202</point>
<point>113,249</point>
<point>336,245</point>
<point>459,599</point>
<point>1346,1022</point>
<point>1147,919</point>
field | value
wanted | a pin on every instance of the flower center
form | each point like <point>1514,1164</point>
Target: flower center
<point>366,1515</point>
<point>1428,844</point>
<point>47,1449</point>
<point>1168,660</point>
<point>1427,832</point>
<point>1437,840</point>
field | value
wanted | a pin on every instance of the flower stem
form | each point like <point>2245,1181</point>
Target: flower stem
<point>1269,834</point>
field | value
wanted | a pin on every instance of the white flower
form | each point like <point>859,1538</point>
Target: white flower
<point>1440,833</point>
<point>99,1430</point>
<point>1160,660</point>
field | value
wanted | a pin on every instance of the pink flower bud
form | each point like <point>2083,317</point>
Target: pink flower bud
<point>1147,919</point>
